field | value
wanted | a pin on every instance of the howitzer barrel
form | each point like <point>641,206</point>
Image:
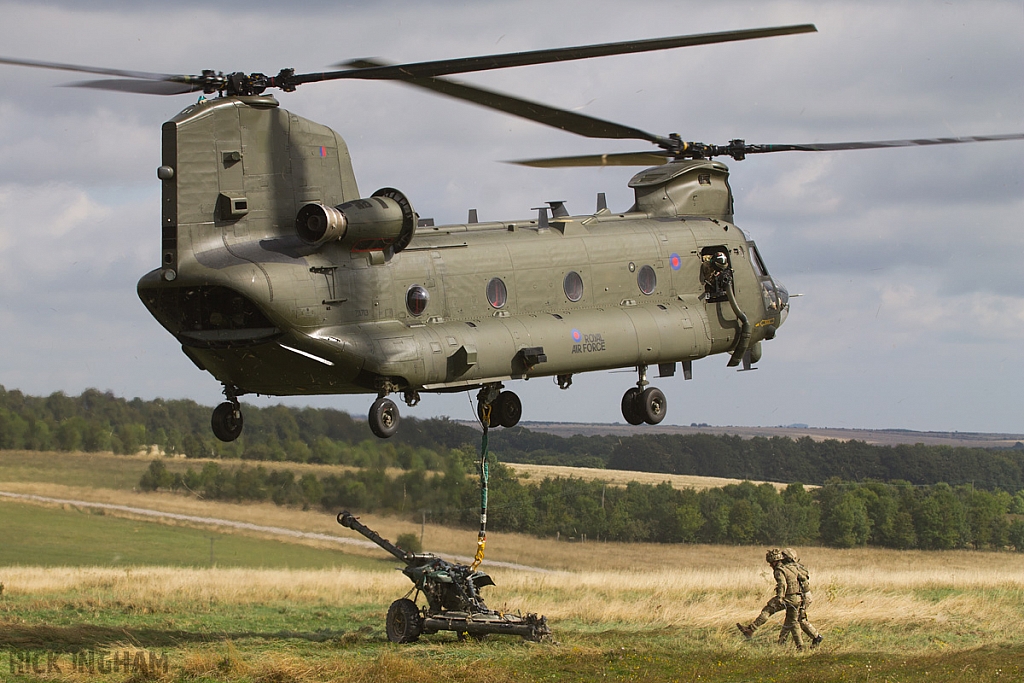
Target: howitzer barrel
<point>346,519</point>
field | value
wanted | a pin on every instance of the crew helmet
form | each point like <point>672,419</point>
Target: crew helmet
<point>772,556</point>
<point>790,555</point>
<point>720,260</point>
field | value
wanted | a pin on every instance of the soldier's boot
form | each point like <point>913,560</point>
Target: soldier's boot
<point>747,631</point>
<point>817,641</point>
<point>797,640</point>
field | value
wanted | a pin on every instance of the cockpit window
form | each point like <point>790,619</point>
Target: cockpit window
<point>757,262</point>
<point>775,296</point>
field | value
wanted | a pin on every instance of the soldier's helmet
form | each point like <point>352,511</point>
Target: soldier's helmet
<point>790,555</point>
<point>772,556</point>
<point>721,260</point>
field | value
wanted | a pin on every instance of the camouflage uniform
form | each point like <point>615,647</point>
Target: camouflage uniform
<point>792,594</point>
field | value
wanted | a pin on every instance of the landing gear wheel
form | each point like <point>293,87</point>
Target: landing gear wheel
<point>652,405</point>
<point>507,410</point>
<point>631,406</point>
<point>403,624</point>
<point>384,419</point>
<point>227,421</point>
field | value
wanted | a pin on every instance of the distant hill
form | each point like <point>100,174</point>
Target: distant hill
<point>876,437</point>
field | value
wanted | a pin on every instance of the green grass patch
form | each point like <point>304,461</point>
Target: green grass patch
<point>936,594</point>
<point>354,652</point>
<point>72,537</point>
<point>92,470</point>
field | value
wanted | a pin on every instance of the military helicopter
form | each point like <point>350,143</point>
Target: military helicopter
<point>279,277</point>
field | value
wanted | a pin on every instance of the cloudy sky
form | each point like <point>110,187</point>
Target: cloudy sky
<point>909,260</point>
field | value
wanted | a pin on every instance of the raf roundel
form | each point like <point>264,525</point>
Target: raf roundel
<point>577,336</point>
<point>675,261</point>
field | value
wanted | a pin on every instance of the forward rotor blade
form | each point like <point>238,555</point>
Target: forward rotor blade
<point>137,86</point>
<point>581,124</point>
<point>619,159</point>
<point>142,75</point>
<point>738,150</point>
<point>879,144</point>
<point>563,54</point>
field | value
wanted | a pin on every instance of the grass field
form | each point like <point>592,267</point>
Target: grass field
<point>81,588</point>
<point>75,537</point>
<point>121,472</point>
<point>531,472</point>
<point>314,625</point>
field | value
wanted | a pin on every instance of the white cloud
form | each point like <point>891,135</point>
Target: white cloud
<point>909,258</point>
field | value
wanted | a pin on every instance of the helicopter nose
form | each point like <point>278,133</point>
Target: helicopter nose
<point>783,301</point>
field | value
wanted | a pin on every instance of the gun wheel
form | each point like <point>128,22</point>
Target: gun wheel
<point>404,623</point>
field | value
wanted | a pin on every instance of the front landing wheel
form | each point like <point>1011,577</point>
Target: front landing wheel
<point>404,624</point>
<point>227,421</point>
<point>384,418</point>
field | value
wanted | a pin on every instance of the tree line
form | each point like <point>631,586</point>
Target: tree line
<point>100,421</point>
<point>840,514</point>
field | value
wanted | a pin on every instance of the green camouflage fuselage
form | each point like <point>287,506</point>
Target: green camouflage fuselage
<point>267,312</point>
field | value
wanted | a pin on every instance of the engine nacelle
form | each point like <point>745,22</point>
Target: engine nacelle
<point>694,187</point>
<point>384,220</point>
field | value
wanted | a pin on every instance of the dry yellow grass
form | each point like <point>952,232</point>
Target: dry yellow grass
<point>931,593</point>
<point>538,552</point>
<point>105,460</point>
<point>602,599</point>
<point>623,477</point>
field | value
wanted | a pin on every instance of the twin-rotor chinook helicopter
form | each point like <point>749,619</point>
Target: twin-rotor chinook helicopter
<point>278,277</point>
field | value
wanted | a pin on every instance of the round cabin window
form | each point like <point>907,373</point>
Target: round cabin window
<point>573,286</point>
<point>416,299</point>
<point>647,280</point>
<point>497,295</point>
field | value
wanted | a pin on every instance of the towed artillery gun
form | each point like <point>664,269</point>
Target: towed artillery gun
<point>453,598</point>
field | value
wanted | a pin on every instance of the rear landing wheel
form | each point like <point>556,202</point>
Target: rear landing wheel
<point>631,406</point>
<point>403,622</point>
<point>652,405</point>
<point>384,418</point>
<point>227,421</point>
<point>507,410</point>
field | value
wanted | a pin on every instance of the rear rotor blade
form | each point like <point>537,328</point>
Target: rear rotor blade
<point>581,124</point>
<point>288,80</point>
<point>563,54</point>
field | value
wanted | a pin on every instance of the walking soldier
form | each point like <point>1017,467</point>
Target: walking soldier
<point>792,594</point>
